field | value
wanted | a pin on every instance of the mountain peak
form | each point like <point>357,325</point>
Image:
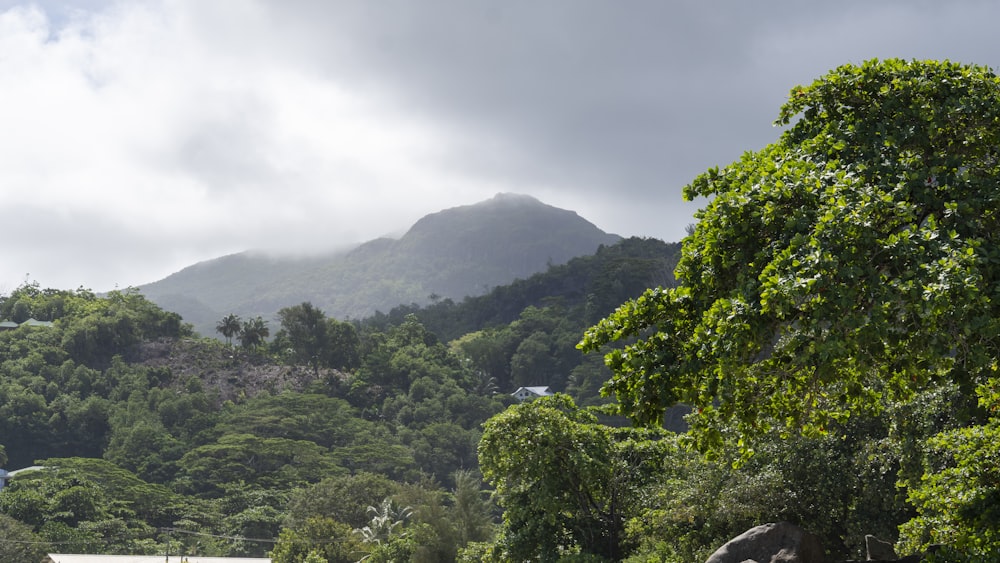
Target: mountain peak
<point>454,253</point>
<point>510,197</point>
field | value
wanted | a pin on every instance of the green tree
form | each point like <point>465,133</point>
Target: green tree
<point>471,511</point>
<point>306,329</point>
<point>229,326</point>
<point>958,497</point>
<point>342,498</point>
<point>387,521</point>
<point>18,543</point>
<point>278,463</point>
<point>837,270</point>
<point>489,352</point>
<point>344,345</point>
<point>319,539</point>
<point>253,333</point>
<point>82,504</point>
<point>250,511</point>
<point>405,354</point>
<point>567,484</point>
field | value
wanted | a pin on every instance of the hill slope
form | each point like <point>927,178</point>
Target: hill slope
<point>454,253</point>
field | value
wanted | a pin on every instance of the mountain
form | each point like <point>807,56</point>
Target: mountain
<point>586,288</point>
<point>454,253</point>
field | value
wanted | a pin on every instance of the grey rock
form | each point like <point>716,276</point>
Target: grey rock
<point>780,542</point>
<point>879,550</point>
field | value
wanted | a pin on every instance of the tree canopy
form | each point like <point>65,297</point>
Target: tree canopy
<point>566,483</point>
<point>849,264</point>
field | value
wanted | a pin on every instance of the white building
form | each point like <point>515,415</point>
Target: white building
<point>524,393</point>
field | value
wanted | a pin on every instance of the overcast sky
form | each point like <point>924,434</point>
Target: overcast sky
<point>140,137</point>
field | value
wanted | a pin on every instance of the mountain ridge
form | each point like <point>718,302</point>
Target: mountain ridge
<point>453,253</point>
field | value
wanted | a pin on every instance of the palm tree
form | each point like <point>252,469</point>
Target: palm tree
<point>483,384</point>
<point>472,513</point>
<point>385,521</point>
<point>253,333</point>
<point>229,327</point>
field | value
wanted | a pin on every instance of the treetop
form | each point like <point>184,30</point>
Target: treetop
<point>848,264</point>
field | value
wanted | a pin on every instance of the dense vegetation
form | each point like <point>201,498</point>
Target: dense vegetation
<point>845,279</point>
<point>153,438</point>
<point>832,328</point>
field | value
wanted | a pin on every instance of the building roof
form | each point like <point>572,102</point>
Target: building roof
<point>25,469</point>
<point>10,325</point>
<point>78,558</point>
<point>538,391</point>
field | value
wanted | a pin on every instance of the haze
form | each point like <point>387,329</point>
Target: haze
<point>139,137</point>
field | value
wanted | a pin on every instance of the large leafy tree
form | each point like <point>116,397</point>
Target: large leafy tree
<point>18,543</point>
<point>567,484</point>
<point>319,539</point>
<point>306,329</point>
<point>848,264</point>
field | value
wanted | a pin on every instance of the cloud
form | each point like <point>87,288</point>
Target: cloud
<point>147,127</point>
<point>139,137</point>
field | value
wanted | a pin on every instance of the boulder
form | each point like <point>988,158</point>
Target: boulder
<point>879,550</point>
<point>780,542</point>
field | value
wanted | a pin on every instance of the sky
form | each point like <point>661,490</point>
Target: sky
<point>140,137</point>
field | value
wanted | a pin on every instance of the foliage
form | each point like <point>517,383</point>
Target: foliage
<point>217,448</point>
<point>343,498</point>
<point>67,502</point>
<point>319,539</point>
<point>229,326</point>
<point>387,521</point>
<point>253,333</point>
<point>197,444</point>
<point>18,543</point>
<point>958,497</point>
<point>267,462</point>
<point>471,511</point>
<point>835,271</point>
<point>306,329</point>
<point>588,286</point>
<point>345,345</point>
<point>566,483</point>
<point>839,486</point>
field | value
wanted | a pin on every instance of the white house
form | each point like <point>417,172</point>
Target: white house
<point>524,393</point>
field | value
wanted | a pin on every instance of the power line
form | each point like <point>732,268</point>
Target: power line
<point>219,536</point>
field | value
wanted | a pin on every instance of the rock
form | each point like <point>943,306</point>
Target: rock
<point>879,550</point>
<point>780,542</point>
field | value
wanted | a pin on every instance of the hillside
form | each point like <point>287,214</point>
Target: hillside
<point>590,287</point>
<point>453,253</point>
<point>245,450</point>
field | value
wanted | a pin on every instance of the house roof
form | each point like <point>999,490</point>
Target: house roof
<point>541,391</point>
<point>25,469</point>
<point>30,322</point>
<point>79,558</point>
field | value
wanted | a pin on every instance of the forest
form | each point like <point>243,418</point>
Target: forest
<point>348,439</point>
<point>829,327</point>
